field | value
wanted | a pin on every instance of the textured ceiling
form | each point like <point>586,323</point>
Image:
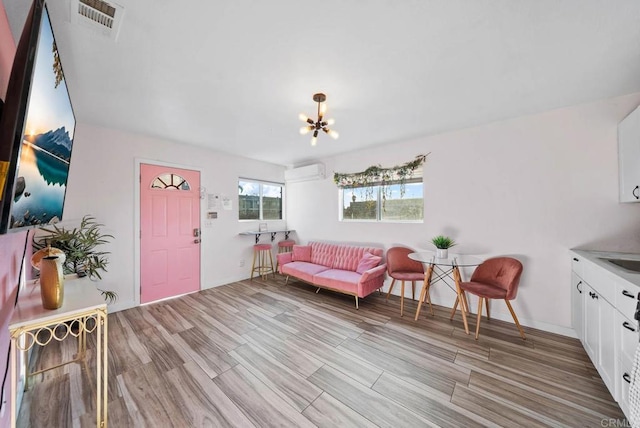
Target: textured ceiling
<point>234,75</point>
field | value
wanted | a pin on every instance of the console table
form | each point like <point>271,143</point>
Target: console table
<point>31,324</point>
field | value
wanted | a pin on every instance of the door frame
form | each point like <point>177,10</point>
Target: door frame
<point>136,222</point>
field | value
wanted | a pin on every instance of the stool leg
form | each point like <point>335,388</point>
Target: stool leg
<point>272,271</point>
<point>253,265</point>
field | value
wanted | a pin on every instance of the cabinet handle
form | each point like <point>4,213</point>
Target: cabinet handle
<point>575,259</point>
<point>628,326</point>
<point>634,192</point>
<point>593,295</point>
<point>578,287</point>
<point>626,377</point>
<point>626,293</point>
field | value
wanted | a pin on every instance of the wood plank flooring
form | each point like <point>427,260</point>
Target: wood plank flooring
<point>259,353</point>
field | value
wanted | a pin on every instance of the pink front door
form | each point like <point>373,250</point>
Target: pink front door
<point>169,247</point>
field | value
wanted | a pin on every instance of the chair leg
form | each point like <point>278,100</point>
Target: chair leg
<point>515,318</point>
<point>486,304</point>
<point>391,288</point>
<point>402,298</point>
<point>286,281</point>
<point>479,316</point>
<point>413,290</point>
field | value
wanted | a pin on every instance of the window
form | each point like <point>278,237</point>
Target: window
<point>170,181</point>
<point>383,203</point>
<point>259,200</point>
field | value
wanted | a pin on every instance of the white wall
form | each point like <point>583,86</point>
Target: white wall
<point>531,187</point>
<point>102,182</point>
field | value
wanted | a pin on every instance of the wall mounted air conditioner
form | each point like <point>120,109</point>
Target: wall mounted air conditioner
<point>101,17</point>
<point>304,173</point>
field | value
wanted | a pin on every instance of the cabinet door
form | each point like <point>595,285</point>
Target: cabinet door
<point>606,345</point>
<point>629,157</point>
<point>577,305</point>
<point>591,323</point>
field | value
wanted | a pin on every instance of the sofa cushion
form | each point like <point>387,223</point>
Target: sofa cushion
<point>302,253</point>
<point>323,253</point>
<point>368,261</point>
<point>348,257</point>
<point>343,280</point>
<point>303,270</point>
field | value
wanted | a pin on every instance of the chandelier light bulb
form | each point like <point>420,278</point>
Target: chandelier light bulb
<point>319,123</point>
<point>333,134</point>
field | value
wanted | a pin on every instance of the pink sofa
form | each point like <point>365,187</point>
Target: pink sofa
<point>343,268</point>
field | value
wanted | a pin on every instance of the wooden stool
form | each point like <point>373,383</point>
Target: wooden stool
<point>260,253</point>
<point>285,246</point>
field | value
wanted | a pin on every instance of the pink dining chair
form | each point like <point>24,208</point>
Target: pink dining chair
<point>495,278</point>
<point>401,268</point>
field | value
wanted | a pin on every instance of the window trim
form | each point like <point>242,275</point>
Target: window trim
<point>378,200</point>
<point>262,182</point>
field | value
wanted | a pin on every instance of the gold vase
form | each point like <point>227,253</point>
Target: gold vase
<point>51,282</point>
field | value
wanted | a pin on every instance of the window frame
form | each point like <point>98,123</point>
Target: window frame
<point>378,201</point>
<point>261,183</point>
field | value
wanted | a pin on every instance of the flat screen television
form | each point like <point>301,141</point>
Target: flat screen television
<point>36,130</point>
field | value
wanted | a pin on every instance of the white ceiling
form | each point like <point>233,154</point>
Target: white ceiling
<point>233,75</point>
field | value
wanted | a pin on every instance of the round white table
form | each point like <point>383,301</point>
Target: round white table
<point>445,268</point>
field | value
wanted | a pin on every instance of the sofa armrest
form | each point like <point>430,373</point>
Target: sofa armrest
<point>284,258</point>
<point>373,273</point>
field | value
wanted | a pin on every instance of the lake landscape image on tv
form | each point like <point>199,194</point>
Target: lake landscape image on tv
<point>48,137</point>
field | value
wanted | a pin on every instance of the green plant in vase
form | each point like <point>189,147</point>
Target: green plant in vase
<point>80,247</point>
<point>442,244</point>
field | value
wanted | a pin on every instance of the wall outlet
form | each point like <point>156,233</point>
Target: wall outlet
<point>241,263</point>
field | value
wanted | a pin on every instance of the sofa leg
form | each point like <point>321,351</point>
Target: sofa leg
<point>318,290</point>
<point>286,281</point>
<point>357,303</point>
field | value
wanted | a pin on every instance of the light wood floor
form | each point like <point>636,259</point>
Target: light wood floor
<point>256,353</point>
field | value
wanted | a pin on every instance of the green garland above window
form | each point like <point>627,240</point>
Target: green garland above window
<point>376,174</point>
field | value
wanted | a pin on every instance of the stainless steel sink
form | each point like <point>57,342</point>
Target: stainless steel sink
<point>630,265</point>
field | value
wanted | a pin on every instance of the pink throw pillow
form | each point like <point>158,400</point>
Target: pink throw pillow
<point>368,261</point>
<point>302,253</point>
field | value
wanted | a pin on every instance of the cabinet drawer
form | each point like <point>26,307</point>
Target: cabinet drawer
<point>623,383</point>
<point>602,281</point>
<point>627,336</point>
<point>576,264</point>
<point>626,298</point>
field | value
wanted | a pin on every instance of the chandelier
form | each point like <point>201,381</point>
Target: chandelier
<point>320,123</point>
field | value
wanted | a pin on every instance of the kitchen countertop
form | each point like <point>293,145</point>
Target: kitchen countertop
<point>597,256</point>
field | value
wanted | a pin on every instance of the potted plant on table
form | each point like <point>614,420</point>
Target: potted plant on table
<point>442,243</point>
<point>80,248</point>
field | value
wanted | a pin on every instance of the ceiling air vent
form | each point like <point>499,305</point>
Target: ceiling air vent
<point>102,17</point>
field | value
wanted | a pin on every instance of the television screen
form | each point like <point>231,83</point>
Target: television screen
<point>46,138</point>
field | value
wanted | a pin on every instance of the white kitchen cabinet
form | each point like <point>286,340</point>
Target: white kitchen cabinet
<point>606,309</point>
<point>629,157</point>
